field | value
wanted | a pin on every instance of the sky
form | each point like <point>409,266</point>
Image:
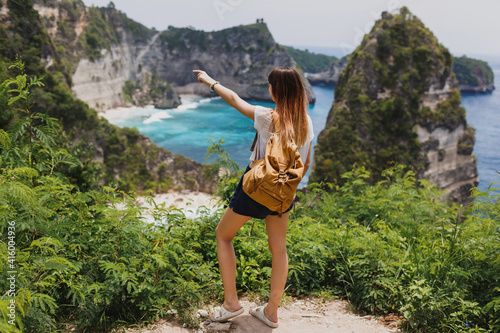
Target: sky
<point>463,26</point>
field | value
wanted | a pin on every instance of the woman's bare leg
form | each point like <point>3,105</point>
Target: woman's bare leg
<point>276,234</point>
<point>227,228</point>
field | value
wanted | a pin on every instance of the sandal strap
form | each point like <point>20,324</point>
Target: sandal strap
<point>221,313</point>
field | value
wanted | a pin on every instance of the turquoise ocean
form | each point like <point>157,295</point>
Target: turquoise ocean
<point>187,129</point>
<point>483,114</point>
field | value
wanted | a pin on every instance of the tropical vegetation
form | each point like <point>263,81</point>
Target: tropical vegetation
<point>311,62</point>
<point>88,257</point>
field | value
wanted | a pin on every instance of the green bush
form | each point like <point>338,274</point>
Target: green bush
<point>309,61</point>
<point>390,246</point>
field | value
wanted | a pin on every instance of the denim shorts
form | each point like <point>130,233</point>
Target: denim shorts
<point>242,204</point>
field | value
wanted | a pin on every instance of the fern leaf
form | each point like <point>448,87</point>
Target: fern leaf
<point>25,172</point>
<point>43,137</point>
<point>5,139</point>
<point>19,128</point>
<point>45,302</point>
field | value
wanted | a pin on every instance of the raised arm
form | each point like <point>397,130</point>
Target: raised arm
<point>227,94</point>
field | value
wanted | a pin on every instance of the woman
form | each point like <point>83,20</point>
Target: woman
<point>287,91</point>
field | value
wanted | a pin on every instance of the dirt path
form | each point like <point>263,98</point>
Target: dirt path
<point>310,316</point>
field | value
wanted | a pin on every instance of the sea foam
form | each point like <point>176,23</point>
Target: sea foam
<point>124,113</point>
<point>157,116</point>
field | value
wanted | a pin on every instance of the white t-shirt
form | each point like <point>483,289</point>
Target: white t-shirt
<point>262,118</point>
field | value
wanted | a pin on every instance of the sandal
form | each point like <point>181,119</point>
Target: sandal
<point>262,317</point>
<point>224,315</point>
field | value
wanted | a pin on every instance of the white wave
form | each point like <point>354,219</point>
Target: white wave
<point>150,112</point>
<point>206,100</point>
<point>187,106</point>
<point>158,116</point>
<point>124,113</point>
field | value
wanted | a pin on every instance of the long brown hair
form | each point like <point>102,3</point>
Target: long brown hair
<point>291,103</point>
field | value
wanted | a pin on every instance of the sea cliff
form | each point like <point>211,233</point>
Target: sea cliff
<point>239,57</point>
<point>397,100</point>
<point>52,38</point>
<point>102,49</point>
<point>330,76</point>
<point>473,75</point>
<point>111,51</point>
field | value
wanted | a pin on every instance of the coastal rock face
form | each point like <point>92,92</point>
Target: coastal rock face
<point>239,57</point>
<point>398,101</point>
<point>449,159</point>
<point>330,76</point>
<point>473,75</point>
<point>99,83</point>
<point>168,100</point>
<point>482,88</point>
<point>104,49</point>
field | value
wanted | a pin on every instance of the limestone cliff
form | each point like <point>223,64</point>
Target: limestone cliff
<point>330,76</point>
<point>52,48</point>
<point>108,50</point>
<point>103,49</point>
<point>397,100</point>
<point>240,58</point>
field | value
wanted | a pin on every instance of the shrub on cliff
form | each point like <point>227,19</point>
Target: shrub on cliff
<point>310,62</point>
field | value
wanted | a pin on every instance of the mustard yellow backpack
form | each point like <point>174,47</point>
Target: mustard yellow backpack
<point>274,179</point>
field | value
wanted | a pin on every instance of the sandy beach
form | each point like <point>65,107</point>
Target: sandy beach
<point>191,203</point>
<point>185,200</point>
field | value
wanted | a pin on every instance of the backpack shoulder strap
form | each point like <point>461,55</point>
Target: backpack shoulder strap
<point>254,141</point>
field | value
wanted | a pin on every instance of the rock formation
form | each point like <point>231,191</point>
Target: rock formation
<point>473,75</point>
<point>397,100</point>
<point>52,41</point>
<point>330,76</point>
<point>104,49</point>
<point>240,57</point>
